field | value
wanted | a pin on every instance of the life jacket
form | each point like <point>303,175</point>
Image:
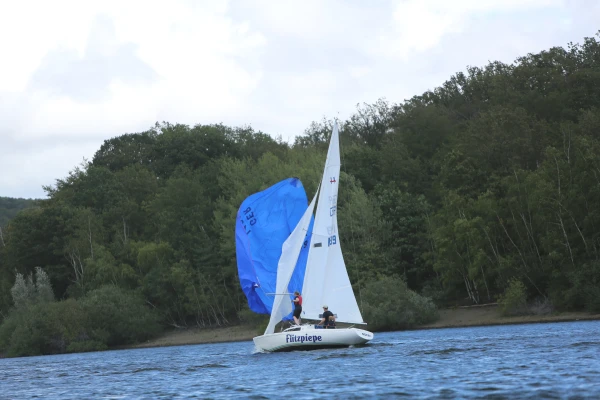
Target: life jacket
<point>329,323</point>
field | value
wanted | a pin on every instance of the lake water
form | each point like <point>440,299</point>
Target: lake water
<point>554,360</point>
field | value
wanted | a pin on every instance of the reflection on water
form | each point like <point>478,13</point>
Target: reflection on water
<point>555,360</point>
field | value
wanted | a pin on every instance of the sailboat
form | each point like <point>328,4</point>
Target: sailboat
<point>312,251</point>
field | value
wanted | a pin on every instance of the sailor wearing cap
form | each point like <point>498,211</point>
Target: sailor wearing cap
<point>327,318</point>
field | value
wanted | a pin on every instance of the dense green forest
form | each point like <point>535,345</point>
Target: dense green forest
<point>486,188</point>
<point>9,207</point>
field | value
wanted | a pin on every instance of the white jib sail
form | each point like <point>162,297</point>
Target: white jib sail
<point>285,268</point>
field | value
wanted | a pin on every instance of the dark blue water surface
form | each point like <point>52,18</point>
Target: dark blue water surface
<point>554,360</point>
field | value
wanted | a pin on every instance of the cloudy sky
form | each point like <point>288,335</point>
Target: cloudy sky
<point>75,73</point>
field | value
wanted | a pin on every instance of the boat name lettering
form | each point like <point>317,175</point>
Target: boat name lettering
<point>301,339</point>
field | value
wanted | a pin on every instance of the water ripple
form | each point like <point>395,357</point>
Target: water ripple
<point>196,367</point>
<point>502,362</point>
<point>339,355</point>
<point>585,344</point>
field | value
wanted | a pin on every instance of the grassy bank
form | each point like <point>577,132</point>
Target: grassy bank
<point>449,318</point>
<point>489,315</point>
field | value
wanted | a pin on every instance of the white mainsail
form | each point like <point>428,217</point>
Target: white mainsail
<point>326,280</point>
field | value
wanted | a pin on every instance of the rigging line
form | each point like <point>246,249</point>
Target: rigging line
<point>343,164</point>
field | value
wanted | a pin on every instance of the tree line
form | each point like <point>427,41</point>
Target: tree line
<point>481,188</point>
<point>10,206</point>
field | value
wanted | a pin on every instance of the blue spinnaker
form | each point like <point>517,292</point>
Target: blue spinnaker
<point>264,221</point>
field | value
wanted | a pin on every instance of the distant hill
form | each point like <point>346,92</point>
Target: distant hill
<point>9,207</point>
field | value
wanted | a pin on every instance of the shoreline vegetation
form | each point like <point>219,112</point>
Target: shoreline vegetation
<point>481,190</point>
<point>457,317</point>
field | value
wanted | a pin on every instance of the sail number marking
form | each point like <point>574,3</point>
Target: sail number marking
<point>332,240</point>
<point>249,214</point>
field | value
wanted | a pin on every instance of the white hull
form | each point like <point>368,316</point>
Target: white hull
<point>307,337</point>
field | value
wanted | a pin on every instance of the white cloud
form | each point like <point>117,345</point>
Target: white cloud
<point>419,25</point>
<point>76,73</point>
<point>191,56</point>
<point>30,29</point>
<point>81,72</point>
